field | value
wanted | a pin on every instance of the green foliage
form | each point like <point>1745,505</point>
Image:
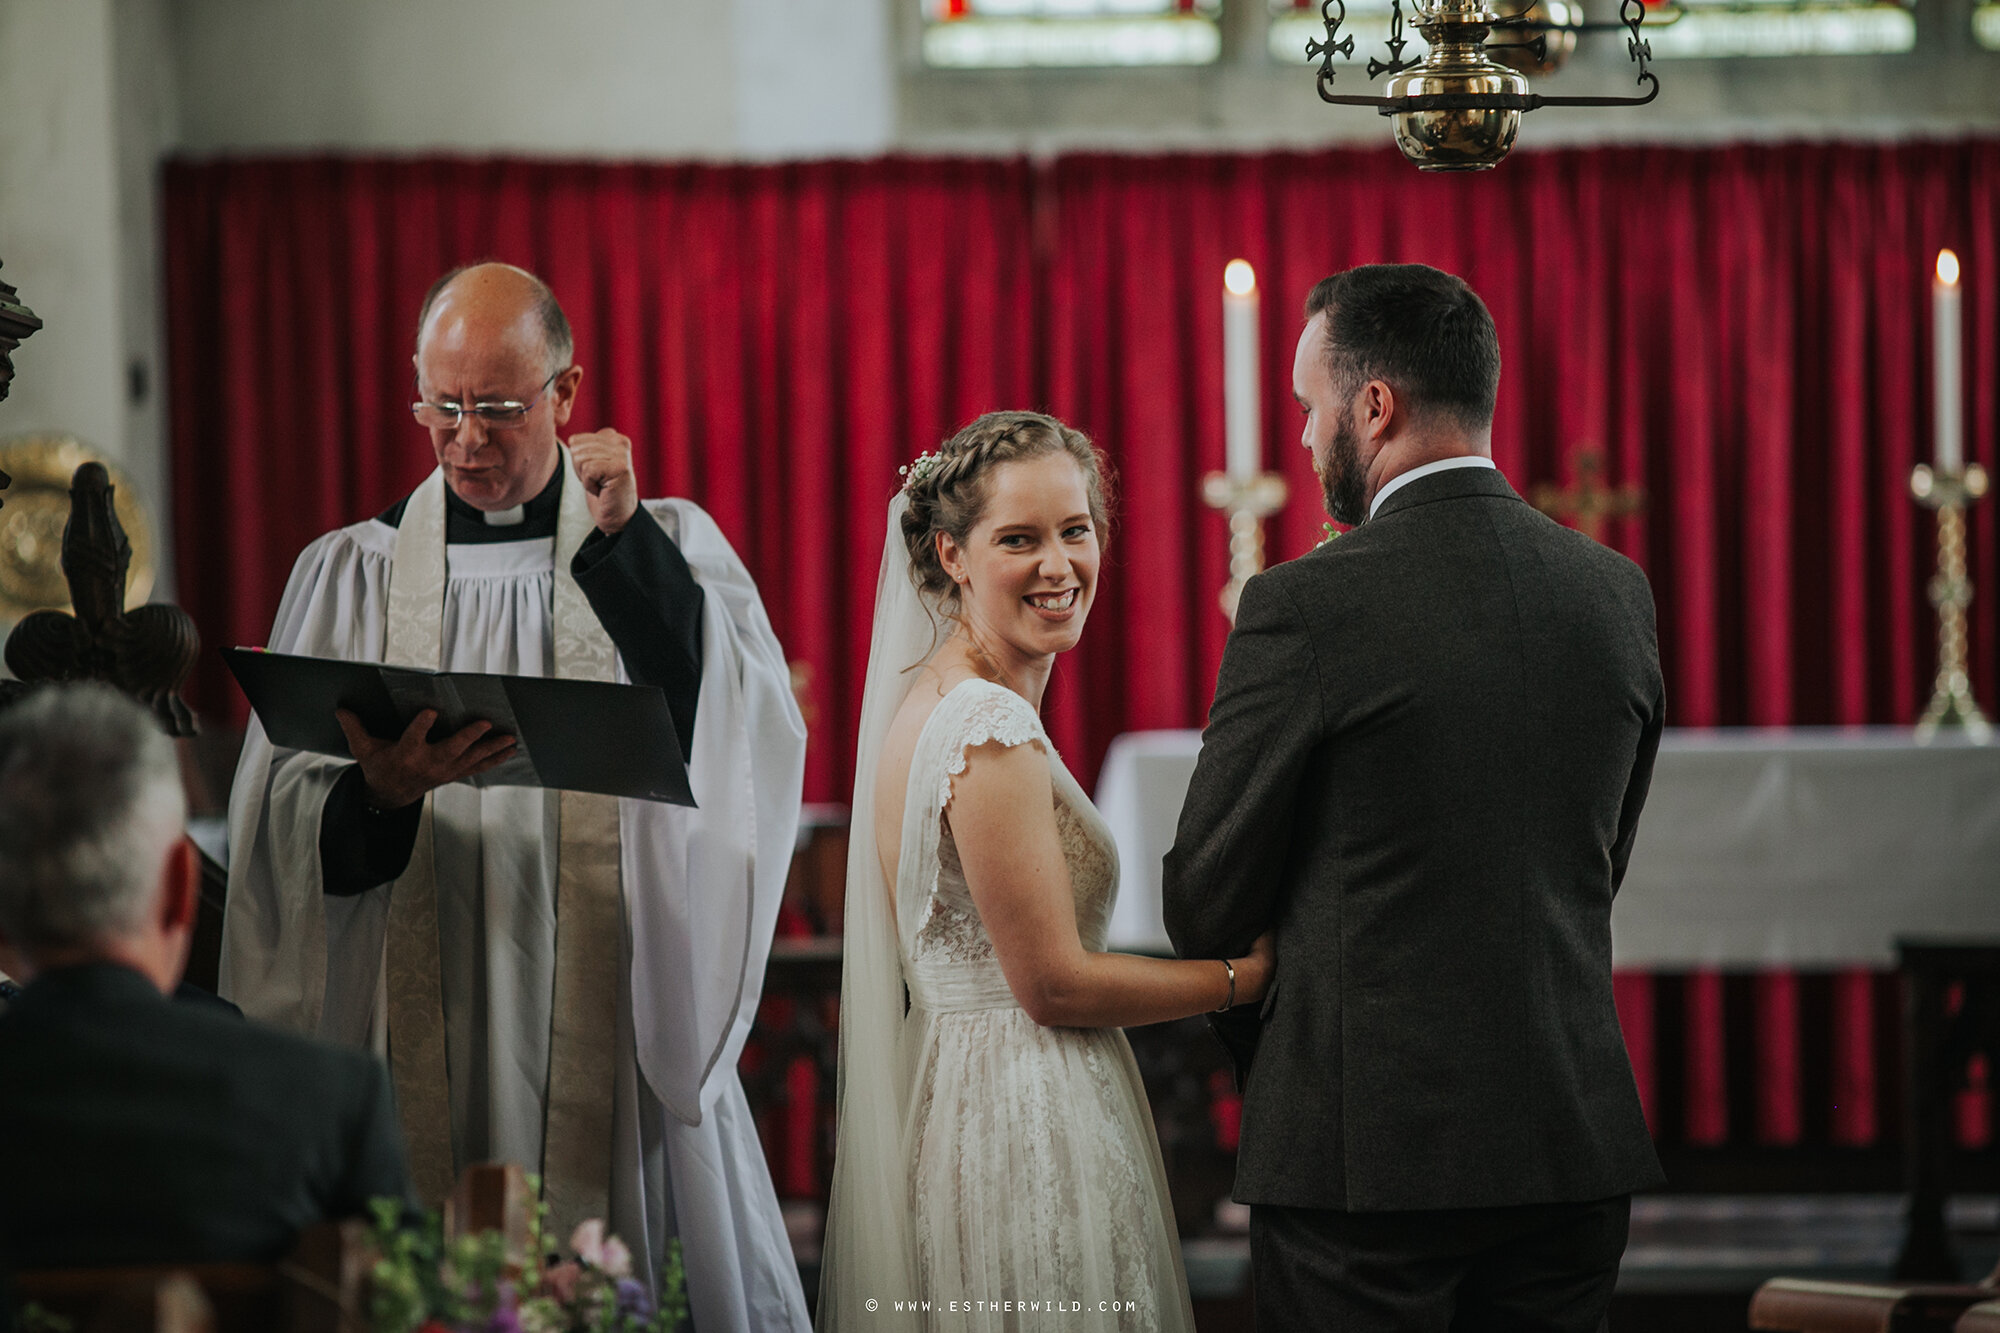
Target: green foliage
<point>673,1289</point>
<point>425,1284</point>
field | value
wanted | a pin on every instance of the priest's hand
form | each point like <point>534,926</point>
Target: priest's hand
<point>603,460</point>
<point>399,772</point>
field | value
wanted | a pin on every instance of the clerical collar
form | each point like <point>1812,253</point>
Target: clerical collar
<point>465,525</point>
<point>1442,465</point>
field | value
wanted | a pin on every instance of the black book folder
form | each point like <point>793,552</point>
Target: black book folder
<point>577,735</point>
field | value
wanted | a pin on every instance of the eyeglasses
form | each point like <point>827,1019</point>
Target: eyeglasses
<point>503,415</point>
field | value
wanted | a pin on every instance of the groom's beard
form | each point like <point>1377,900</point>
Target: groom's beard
<point>1341,482</point>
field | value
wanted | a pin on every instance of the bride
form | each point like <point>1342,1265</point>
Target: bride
<point>996,1156</point>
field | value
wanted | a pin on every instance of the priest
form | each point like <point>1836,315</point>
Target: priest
<point>558,979</point>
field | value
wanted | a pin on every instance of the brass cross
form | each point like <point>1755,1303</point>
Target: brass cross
<point>1588,503</point>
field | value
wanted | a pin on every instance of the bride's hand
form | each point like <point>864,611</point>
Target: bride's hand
<point>1254,972</point>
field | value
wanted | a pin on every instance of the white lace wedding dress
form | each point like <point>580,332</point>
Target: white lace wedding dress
<point>1034,1171</point>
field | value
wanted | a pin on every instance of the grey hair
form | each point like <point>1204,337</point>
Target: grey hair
<point>90,804</point>
<point>557,339</point>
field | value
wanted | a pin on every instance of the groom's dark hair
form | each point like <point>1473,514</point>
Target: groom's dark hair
<point>1418,329</point>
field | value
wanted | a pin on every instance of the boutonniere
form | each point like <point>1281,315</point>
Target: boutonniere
<point>1330,531</point>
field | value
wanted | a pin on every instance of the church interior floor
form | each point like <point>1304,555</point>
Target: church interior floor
<point>1693,1260</point>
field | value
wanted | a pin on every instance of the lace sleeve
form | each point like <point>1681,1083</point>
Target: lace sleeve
<point>990,713</point>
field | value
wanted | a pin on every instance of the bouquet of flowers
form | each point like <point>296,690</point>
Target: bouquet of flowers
<point>424,1283</point>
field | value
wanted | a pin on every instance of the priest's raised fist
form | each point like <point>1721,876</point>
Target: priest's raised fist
<point>603,460</point>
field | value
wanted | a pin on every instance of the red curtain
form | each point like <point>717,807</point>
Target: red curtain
<point>1742,331</point>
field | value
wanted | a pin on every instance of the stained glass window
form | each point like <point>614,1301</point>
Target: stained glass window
<point>1708,29</point>
<point>1690,29</point>
<point>1015,34</point>
<point>1986,26</point>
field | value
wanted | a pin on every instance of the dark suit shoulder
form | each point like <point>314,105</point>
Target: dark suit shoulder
<point>1329,562</point>
<point>1612,569</point>
<point>1579,546</point>
<point>313,1075</point>
<point>204,1135</point>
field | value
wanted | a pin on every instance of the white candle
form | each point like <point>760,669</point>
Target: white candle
<point>1949,393</point>
<point>1244,448</point>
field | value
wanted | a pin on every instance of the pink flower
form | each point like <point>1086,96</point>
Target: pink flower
<point>617,1261</point>
<point>588,1242</point>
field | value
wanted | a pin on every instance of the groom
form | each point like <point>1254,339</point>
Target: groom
<point>1424,766</point>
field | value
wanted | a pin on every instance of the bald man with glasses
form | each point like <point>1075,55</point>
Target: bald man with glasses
<point>559,980</point>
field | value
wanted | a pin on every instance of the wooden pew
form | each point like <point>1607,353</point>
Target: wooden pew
<point>321,1287</point>
<point>494,1197</point>
<point>1799,1305</point>
<point>1981,1318</point>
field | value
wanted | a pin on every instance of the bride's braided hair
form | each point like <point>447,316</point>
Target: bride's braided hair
<point>948,490</point>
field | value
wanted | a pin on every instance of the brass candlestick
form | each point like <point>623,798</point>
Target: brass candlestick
<point>1952,704</point>
<point>1247,501</point>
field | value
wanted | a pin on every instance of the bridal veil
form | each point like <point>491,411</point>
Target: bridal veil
<point>869,1252</point>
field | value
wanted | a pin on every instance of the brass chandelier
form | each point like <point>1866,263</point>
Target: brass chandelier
<point>1459,108</point>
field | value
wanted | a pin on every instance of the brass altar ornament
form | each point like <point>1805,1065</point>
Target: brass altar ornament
<point>1459,108</point>
<point>1248,501</point>
<point>31,526</point>
<point>1588,504</point>
<point>1952,704</point>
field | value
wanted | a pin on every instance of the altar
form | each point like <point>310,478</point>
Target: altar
<point>1802,848</point>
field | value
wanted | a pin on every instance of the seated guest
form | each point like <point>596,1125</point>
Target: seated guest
<point>133,1130</point>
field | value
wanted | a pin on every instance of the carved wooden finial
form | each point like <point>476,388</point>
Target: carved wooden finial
<point>17,323</point>
<point>147,652</point>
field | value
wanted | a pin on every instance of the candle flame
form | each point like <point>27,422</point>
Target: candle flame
<point>1947,268</point>
<point>1239,277</point>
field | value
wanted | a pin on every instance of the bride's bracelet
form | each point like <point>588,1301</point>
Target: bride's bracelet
<point>1229,1003</point>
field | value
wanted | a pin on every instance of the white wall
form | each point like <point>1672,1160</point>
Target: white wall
<point>597,78</point>
<point>84,115</point>
<point>59,217</point>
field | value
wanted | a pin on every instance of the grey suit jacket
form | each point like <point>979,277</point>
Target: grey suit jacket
<point>1424,766</point>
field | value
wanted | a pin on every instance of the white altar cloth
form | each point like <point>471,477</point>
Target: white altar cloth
<point>1801,848</point>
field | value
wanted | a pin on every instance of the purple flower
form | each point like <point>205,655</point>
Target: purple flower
<point>504,1320</point>
<point>633,1299</point>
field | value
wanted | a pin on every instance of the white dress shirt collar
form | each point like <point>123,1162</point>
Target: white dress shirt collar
<point>1442,465</point>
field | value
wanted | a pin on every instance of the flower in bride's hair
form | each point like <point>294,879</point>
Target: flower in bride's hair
<point>918,468</point>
